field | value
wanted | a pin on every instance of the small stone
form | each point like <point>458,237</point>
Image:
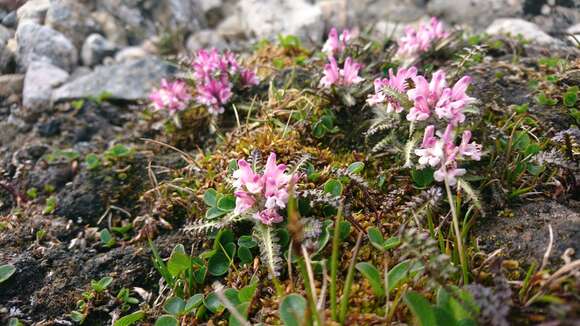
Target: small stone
<point>71,18</point>
<point>42,43</point>
<point>6,55</point>
<point>131,53</point>
<point>95,49</point>
<point>110,27</point>
<point>516,26</point>
<point>129,81</point>
<point>264,18</point>
<point>39,82</point>
<point>34,10</point>
<point>11,84</point>
<point>10,20</point>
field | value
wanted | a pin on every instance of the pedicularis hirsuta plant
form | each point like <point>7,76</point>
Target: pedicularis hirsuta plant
<point>427,115</point>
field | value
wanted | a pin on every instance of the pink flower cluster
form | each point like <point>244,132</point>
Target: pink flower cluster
<point>333,75</point>
<point>214,74</point>
<point>417,41</point>
<point>336,76</point>
<point>171,96</point>
<point>397,83</point>
<point>336,44</point>
<point>262,194</point>
<point>442,154</point>
<point>435,96</point>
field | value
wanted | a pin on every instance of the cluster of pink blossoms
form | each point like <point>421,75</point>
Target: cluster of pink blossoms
<point>336,44</point>
<point>417,41</point>
<point>214,74</point>
<point>333,75</point>
<point>172,96</point>
<point>441,153</point>
<point>435,96</point>
<point>262,194</point>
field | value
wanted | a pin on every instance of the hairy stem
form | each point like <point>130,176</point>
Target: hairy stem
<point>458,235</point>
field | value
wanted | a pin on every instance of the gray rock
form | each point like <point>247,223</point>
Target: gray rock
<point>262,18</point>
<point>205,39</point>
<point>34,10</point>
<point>516,26</point>
<point>5,54</point>
<point>95,49</point>
<point>112,29</point>
<point>39,82</point>
<point>574,30</point>
<point>42,43</point>
<point>129,81</point>
<point>475,13</point>
<point>11,84</point>
<point>131,53</point>
<point>10,20</point>
<point>71,18</point>
<point>149,17</point>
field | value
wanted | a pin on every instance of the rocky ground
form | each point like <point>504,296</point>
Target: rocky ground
<point>75,75</point>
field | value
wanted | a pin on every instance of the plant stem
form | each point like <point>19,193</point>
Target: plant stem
<point>458,235</point>
<point>309,294</point>
<point>334,265</point>
<point>348,281</point>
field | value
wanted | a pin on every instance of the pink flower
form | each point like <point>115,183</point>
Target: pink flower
<point>417,41</point>
<point>265,193</point>
<point>442,153</point>
<point>425,95</point>
<point>335,43</point>
<point>171,96</point>
<point>453,101</point>
<point>214,94</point>
<point>249,78</point>
<point>345,77</point>
<point>268,216</point>
<point>397,83</point>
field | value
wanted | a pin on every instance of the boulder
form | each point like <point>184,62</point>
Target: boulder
<point>130,81</point>
<point>474,13</point>
<point>205,39</point>
<point>33,10</point>
<point>39,82</point>
<point>42,43</point>
<point>95,49</point>
<point>516,26</point>
<point>71,18</point>
<point>262,18</point>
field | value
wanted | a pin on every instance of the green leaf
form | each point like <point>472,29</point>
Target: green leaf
<point>174,306</point>
<point>193,302</point>
<point>372,274</point>
<point>210,197</point>
<point>391,243</point>
<point>107,239</point>
<point>333,187</point>
<point>218,264</point>
<point>117,151</point>
<point>77,316</point>
<point>179,261</point>
<point>246,294</point>
<point>227,203</point>
<point>247,241</point>
<point>102,284</point>
<point>6,271</point>
<point>570,98</point>
<point>15,322</point>
<point>214,213</point>
<point>223,237</point>
<point>356,167</point>
<point>245,255</point>
<point>421,308</point>
<point>422,177</point>
<point>92,161</point>
<point>242,308</point>
<point>232,296</point>
<point>166,320</point>
<point>130,319</point>
<point>376,238</point>
<point>292,310</point>
<point>344,229</point>
<point>444,317</point>
<point>213,303</point>
<point>402,272</point>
